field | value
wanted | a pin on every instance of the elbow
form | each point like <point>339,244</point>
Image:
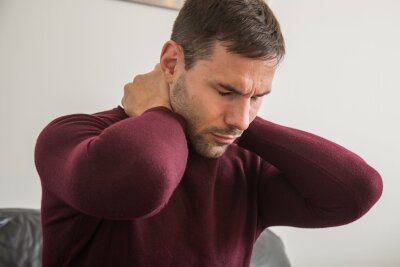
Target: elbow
<point>135,192</point>
<point>365,193</point>
<point>149,197</point>
<point>353,203</point>
<point>154,187</point>
<point>124,201</point>
<point>151,205</point>
<point>369,191</point>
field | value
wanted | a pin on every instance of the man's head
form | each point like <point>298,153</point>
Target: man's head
<point>245,27</point>
<point>220,61</point>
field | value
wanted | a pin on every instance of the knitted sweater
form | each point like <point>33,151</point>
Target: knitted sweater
<point>130,191</point>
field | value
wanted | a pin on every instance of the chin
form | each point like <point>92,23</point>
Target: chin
<point>206,147</point>
<point>211,151</point>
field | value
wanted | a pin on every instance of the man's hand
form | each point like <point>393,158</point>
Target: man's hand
<point>145,92</point>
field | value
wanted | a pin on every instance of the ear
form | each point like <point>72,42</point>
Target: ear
<point>171,60</point>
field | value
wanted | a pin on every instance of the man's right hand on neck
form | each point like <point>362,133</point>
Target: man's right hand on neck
<point>146,91</point>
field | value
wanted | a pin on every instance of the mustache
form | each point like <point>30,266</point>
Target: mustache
<point>226,131</point>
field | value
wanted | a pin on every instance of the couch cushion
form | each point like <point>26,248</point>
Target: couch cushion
<point>20,238</point>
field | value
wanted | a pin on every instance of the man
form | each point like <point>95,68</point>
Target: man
<point>186,174</point>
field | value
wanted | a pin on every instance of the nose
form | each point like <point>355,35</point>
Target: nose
<point>238,115</point>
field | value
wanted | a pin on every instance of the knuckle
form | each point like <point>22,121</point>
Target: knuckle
<point>126,88</point>
<point>138,78</point>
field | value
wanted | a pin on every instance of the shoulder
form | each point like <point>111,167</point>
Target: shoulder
<point>100,119</point>
<point>112,115</point>
<point>81,125</point>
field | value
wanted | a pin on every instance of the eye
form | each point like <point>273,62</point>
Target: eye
<point>255,98</point>
<point>224,93</point>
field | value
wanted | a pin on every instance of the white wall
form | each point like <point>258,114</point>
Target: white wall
<point>65,56</point>
<point>339,80</point>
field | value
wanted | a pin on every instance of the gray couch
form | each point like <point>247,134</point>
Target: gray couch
<point>20,238</point>
<point>21,242</point>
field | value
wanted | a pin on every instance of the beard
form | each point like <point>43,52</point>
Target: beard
<point>182,104</point>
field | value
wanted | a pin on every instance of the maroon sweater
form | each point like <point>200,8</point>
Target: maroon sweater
<point>120,191</point>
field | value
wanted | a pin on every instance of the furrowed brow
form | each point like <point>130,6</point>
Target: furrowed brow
<point>263,93</point>
<point>230,88</point>
<point>233,89</point>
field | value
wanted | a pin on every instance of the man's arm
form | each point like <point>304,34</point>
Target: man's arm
<point>308,181</point>
<point>123,170</point>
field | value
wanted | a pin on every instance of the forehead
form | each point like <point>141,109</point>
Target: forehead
<point>246,74</point>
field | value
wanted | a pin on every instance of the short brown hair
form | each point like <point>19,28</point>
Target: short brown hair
<point>245,27</point>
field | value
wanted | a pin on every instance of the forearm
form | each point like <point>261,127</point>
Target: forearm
<point>333,184</point>
<point>128,170</point>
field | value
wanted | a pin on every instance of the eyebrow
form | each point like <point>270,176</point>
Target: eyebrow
<point>233,89</point>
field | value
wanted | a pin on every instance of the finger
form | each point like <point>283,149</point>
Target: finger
<point>126,87</point>
<point>123,100</point>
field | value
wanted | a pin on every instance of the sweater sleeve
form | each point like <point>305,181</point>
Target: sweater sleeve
<point>122,170</point>
<point>308,181</point>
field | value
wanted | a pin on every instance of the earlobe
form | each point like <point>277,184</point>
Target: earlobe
<point>169,60</point>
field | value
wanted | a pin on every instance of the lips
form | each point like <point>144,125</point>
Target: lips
<point>224,139</point>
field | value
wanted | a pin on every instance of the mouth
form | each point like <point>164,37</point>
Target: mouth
<point>224,139</point>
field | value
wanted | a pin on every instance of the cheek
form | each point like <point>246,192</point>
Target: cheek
<point>208,106</point>
<point>202,110</point>
<point>254,110</point>
<point>211,113</point>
